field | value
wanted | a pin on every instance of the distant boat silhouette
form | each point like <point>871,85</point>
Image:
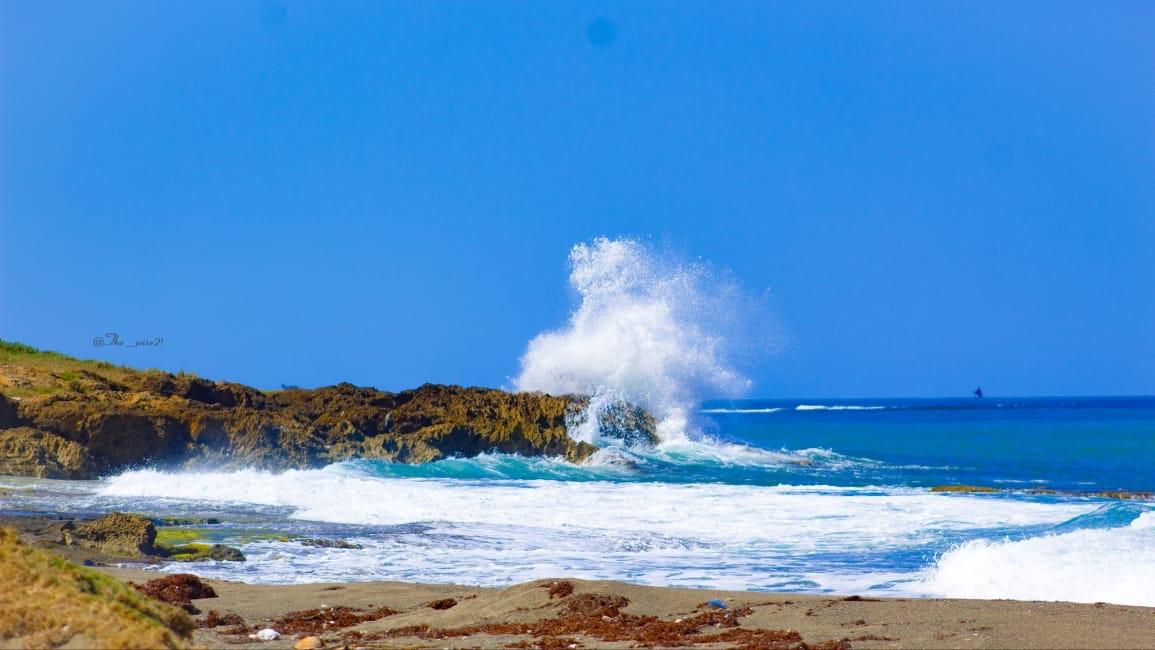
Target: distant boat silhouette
<point>979,391</point>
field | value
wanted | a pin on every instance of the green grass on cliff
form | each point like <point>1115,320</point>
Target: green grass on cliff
<point>12,351</point>
<point>26,371</point>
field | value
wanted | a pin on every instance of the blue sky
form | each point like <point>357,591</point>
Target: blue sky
<point>936,195</point>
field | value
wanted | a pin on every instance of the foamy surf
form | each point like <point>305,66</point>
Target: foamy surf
<point>497,531</point>
<point>1114,565</point>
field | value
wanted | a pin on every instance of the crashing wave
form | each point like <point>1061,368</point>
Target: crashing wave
<point>648,330</point>
<point>1114,565</point>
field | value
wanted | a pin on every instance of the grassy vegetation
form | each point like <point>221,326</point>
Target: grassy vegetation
<point>14,351</point>
<point>26,371</point>
<point>58,603</point>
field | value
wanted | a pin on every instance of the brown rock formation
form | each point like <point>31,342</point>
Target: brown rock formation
<point>116,533</point>
<point>65,418</point>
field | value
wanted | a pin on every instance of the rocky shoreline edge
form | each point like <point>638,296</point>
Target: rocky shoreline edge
<point>67,418</point>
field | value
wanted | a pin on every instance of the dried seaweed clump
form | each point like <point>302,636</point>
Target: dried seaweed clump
<point>316,621</point>
<point>599,616</point>
<point>177,589</point>
<point>559,589</point>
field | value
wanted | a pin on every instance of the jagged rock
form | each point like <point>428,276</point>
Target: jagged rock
<point>630,423</point>
<point>25,451</point>
<point>105,418</point>
<point>8,413</point>
<point>116,533</point>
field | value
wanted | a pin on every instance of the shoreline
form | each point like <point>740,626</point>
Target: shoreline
<point>563,613</point>
<point>819,621</point>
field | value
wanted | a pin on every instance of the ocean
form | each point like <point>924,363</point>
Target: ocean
<point>815,496</point>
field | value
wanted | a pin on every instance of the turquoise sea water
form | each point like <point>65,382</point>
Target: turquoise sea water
<point>796,495</point>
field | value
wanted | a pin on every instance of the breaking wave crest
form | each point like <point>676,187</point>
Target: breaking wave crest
<point>648,329</point>
<point>1115,565</point>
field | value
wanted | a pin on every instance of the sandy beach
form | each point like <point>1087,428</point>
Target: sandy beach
<point>862,623</point>
<point>568,613</point>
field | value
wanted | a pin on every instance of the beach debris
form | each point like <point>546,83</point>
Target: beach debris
<point>590,616</point>
<point>442,603</point>
<point>317,621</point>
<point>716,603</point>
<point>178,589</point>
<point>309,643</point>
<point>267,634</point>
<point>559,589</point>
<point>215,619</point>
<point>607,605</point>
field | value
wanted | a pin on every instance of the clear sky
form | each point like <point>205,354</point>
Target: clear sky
<point>937,195</point>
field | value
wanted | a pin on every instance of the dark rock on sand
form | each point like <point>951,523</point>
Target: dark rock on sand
<point>66,418</point>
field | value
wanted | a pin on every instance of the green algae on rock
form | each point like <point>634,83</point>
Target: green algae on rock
<point>130,535</point>
<point>982,489</point>
<point>66,418</point>
<point>196,552</point>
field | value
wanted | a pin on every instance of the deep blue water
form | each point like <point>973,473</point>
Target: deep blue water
<point>1066,443</point>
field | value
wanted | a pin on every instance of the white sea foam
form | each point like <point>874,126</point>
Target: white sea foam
<point>765,410</point>
<point>837,407</point>
<point>715,511</point>
<point>500,531</point>
<point>648,329</point>
<point>1114,565</point>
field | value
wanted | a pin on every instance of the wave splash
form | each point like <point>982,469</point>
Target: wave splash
<point>1115,565</point>
<point>648,330</point>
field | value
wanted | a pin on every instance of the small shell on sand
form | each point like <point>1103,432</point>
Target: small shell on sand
<point>267,634</point>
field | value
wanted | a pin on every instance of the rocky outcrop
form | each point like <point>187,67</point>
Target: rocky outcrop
<point>25,451</point>
<point>127,535</point>
<point>116,533</point>
<point>93,419</point>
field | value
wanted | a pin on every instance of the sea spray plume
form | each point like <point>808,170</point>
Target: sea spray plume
<point>647,329</point>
